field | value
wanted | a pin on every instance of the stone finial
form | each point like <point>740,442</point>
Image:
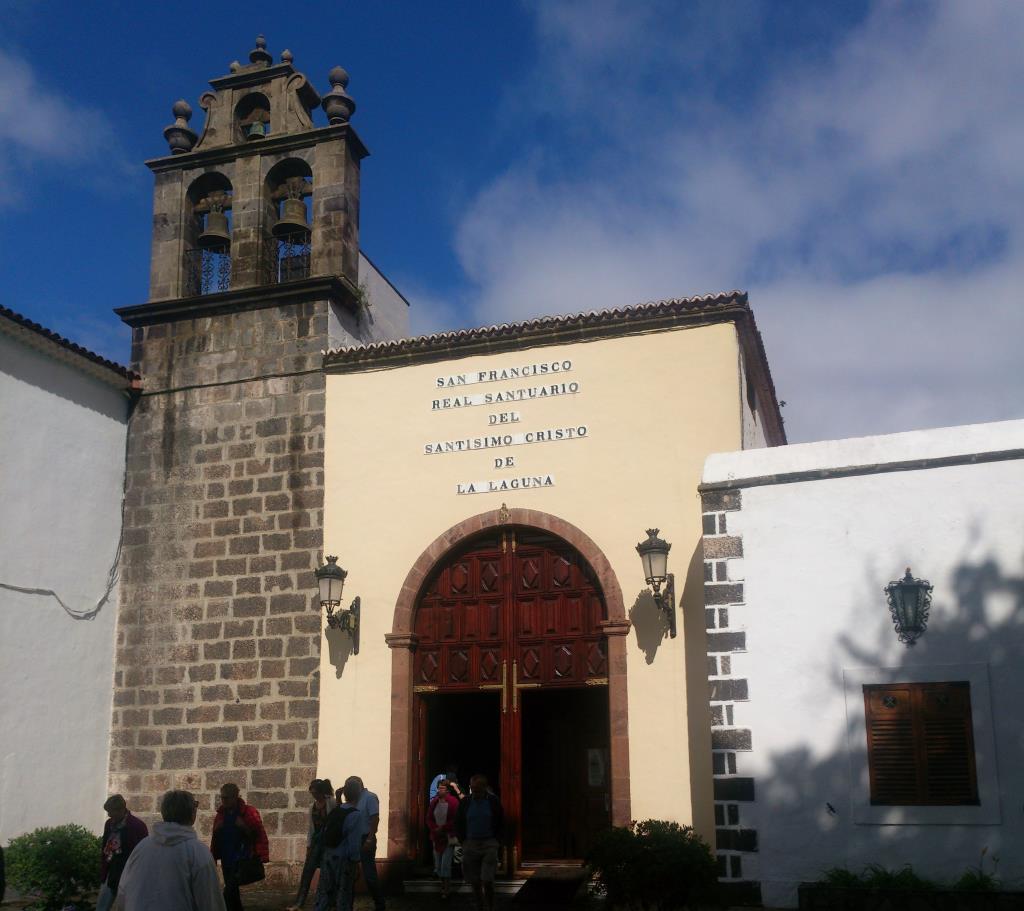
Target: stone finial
<point>178,135</point>
<point>337,103</point>
<point>234,66</point>
<point>287,56</point>
<point>259,54</point>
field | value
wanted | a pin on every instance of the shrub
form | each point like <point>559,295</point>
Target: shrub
<point>977,879</point>
<point>653,865</point>
<point>904,879</point>
<point>54,865</point>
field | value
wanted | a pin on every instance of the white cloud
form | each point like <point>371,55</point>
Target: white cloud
<point>870,200</point>
<point>41,125</point>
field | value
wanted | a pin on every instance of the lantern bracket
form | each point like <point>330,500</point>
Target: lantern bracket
<point>666,601</point>
<point>345,620</point>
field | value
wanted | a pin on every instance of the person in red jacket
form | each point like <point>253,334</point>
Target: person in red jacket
<point>238,834</point>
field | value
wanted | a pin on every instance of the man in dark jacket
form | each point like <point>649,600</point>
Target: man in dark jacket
<point>478,823</point>
<point>121,833</point>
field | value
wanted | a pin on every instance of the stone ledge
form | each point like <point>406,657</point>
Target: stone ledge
<point>334,288</point>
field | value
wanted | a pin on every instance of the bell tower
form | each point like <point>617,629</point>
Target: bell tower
<point>263,196</point>
<point>256,268</point>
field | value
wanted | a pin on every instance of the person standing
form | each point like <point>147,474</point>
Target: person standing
<point>121,833</point>
<point>171,870</point>
<point>342,847</point>
<point>441,823</point>
<point>478,825</point>
<point>238,834</point>
<point>323,804</point>
<point>368,805</point>
<point>452,777</point>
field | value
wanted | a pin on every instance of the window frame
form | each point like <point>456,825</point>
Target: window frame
<point>898,711</point>
<point>986,811</point>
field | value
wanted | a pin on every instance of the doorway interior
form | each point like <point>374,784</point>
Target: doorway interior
<point>510,679</point>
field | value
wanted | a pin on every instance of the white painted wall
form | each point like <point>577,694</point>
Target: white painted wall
<point>62,437</point>
<point>385,318</point>
<point>817,555</point>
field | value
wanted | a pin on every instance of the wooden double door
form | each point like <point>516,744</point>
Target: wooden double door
<point>510,679</point>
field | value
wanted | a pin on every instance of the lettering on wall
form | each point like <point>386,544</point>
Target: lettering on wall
<point>499,430</point>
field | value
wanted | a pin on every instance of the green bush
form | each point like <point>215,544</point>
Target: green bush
<point>54,865</point>
<point>875,876</point>
<point>653,866</point>
<point>904,879</point>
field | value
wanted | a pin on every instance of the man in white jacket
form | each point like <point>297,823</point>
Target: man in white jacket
<point>171,870</point>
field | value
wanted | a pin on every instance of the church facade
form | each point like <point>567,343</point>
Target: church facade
<point>489,495</point>
<point>485,492</point>
<point>533,455</point>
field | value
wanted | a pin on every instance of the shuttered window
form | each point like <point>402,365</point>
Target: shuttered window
<point>920,744</point>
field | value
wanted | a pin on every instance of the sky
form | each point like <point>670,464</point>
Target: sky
<point>856,167</point>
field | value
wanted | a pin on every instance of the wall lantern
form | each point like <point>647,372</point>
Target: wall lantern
<point>909,600</point>
<point>654,555</point>
<point>331,579</point>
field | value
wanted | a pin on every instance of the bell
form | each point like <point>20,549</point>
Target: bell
<point>292,220</point>
<point>255,130</point>
<point>215,235</point>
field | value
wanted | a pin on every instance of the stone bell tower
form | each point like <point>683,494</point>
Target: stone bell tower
<point>256,268</point>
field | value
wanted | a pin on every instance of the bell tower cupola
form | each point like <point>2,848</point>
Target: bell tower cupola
<point>262,197</point>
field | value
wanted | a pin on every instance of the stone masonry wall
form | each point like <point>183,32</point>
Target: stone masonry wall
<point>218,640</point>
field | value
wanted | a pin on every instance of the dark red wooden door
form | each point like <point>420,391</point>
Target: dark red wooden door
<point>510,612</point>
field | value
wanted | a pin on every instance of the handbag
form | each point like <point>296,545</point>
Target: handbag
<point>250,870</point>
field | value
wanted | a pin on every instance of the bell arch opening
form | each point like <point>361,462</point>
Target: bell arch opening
<point>207,257</point>
<point>252,117</point>
<point>288,195</point>
<point>517,618</point>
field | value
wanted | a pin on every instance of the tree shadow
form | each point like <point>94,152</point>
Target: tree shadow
<point>807,797</point>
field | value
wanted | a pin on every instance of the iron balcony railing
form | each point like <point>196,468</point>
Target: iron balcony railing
<point>207,271</point>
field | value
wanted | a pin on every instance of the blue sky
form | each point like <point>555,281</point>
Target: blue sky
<point>857,167</point>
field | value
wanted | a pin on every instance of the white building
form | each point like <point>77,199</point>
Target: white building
<point>806,668</point>
<point>63,418</point>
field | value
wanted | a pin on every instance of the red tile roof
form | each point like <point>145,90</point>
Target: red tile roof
<point>41,332</point>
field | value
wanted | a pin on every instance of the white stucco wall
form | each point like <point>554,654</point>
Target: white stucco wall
<point>385,317</point>
<point>817,554</point>
<point>62,436</point>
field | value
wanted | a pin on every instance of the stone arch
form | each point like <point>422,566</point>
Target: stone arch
<point>402,642</point>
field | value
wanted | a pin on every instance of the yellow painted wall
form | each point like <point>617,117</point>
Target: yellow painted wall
<point>655,405</point>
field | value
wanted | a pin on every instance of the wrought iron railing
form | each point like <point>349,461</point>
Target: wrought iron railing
<point>292,257</point>
<point>207,271</point>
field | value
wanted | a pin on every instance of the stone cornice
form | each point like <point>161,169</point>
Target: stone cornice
<point>286,142</point>
<point>336,289</point>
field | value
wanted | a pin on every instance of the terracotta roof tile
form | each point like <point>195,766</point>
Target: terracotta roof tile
<point>725,306</point>
<point>25,323</point>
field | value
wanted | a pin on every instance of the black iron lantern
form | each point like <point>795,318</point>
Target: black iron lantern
<point>654,556</point>
<point>909,601</point>
<point>331,579</point>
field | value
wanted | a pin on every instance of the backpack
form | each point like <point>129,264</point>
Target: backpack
<point>335,825</point>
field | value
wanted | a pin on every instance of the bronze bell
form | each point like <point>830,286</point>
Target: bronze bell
<point>216,234</point>
<point>255,130</point>
<point>292,220</point>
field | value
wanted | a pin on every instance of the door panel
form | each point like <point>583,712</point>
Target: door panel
<point>512,613</point>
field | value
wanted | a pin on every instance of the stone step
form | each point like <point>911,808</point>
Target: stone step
<point>431,886</point>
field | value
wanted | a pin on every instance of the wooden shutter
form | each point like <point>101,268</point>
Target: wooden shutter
<point>920,744</point>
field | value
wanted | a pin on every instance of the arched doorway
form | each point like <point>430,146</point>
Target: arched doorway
<point>513,660</point>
